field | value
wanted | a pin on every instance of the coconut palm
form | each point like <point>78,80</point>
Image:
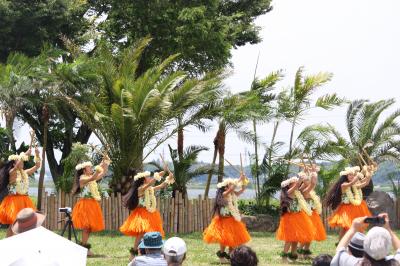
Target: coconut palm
<point>132,115</point>
<point>261,91</point>
<point>14,87</point>
<point>300,99</point>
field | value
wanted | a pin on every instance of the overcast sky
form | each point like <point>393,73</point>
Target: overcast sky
<point>357,40</point>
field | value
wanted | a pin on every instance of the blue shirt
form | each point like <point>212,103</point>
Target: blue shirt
<point>149,260</point>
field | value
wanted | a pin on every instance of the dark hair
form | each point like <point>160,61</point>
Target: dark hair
<point>5,178</point>
<point>356,252</point>
<point>131,199</point>
<point>285,200</point>
<point>243,256</point>
<point>334,196</point>
<point>322,260</point>
<point>76,187</point>
<point>219,201</point>
<point>5,174</point>
<point>368,261</point>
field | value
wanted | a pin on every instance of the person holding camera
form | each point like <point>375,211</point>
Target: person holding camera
<point>377,243</point>
<point>87,214</point>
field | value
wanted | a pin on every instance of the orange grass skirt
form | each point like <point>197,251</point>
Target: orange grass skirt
<point>320,233</point>
<point>364,209</point>
<point>295,227</point>
<point>141,221</point>
<point>226,231</point>
<point>346,213</point>
<point>87,215</point>
<point>11,205</point>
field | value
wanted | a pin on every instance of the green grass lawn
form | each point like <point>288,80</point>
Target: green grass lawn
<point>111,248</point>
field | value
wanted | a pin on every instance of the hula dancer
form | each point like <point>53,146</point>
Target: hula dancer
<point>295,225</point>
<point>346,199</point>
<point>87,214</point>
<point>141,201</point>
<point>14,178</point>
<point>226,227</point>
<point>310,181</point>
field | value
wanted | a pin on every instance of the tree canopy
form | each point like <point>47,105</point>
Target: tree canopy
<point>202,31</point>
<point>26,25</point>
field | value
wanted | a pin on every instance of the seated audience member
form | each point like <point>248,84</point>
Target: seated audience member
<point>27,219</point>
<point>356,245</point>
<point>377,245</point>
<point>243,256</point>
<point>322,260</point>
<point>174,251</point>
<point>152,244</point>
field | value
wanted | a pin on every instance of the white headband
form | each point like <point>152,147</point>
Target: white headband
<point>15,157</point>
<point>83,165</point>
<point>289,181</point>
<point>350,170</point>
<point>227,181</point>
<point>141,175</point>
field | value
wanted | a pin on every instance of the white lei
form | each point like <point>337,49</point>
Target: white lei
<point>302,203</point>
<point>150,199</point>
<point>22,183</point>
<point>233,206</point>
<point>317,201</point>
<point>93,189</point>
<point>355,199</point>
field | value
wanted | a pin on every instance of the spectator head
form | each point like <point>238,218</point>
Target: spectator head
<point>377,243</point>
<point>152,243</point>
<point>175,251</point>
<point>356,245</point>
<point>243,256</point>
<point>27,219</point>
<point>322,260</point>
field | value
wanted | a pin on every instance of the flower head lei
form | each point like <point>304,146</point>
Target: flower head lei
<point>226,182</point>
<point>83,165</point>
<point>16,157</point>
<point>289,181</point>
<point>304,175</point>
<point>141,175</point>
<point>350,171</point>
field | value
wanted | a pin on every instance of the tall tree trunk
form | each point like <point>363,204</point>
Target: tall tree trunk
<point>276,125</point>
<point>221,151</point>
<point>210,173</point>
<point>45,118</point>
<point>10,117</point>
<point>275,130</point>
<point>180,139</point>
<point>33,118</point>
<point>256,159</point>
<point>291,144</point>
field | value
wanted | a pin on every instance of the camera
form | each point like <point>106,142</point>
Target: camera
<point>375,220</point>
<point>66,210</point>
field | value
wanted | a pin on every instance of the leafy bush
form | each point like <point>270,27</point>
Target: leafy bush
<point>250,207</point>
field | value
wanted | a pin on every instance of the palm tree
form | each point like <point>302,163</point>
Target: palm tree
<point>367,130</point>
<point>14,87</point>
<point>261,91</point>
<point>234,111</point>
<point>183,168</point>
<point>300,99</point>
<point>132,115</point>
